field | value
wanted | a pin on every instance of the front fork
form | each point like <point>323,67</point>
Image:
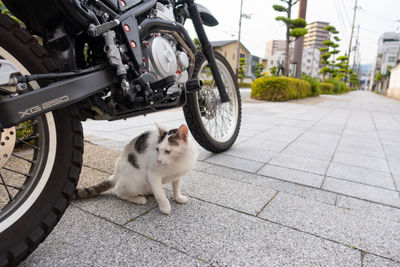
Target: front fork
<point>207,49</point>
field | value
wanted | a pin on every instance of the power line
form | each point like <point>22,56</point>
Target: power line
<point>345,12</point>
<point>341,20</point>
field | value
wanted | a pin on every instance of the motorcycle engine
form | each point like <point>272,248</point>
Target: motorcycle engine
<point>162,56</point>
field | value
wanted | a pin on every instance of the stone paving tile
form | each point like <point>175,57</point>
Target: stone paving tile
<point>362,150</point>
<point>367,192</point>
<point>81,239</point>
<point>91,177</point>
<point>237,163</point>
<point>114,209</point>
<point>228,238</point>
<point>278,185</point>
<point>237,195</point>
<point>300,163</point>
<point>396,178</point>
<point>99,157</point>
<point>264,144</point>
<point>311,150</point>
<point>291,175</point>
<point>361,161</point>
<point>394,167</point>
<point>366,209</point>
<point>375,261</point>
<point>375,236</point>
<point>361,175</point>
<point>202,165</point>
<point>255,153</point>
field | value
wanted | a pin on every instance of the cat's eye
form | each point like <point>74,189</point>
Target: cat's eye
<point>157,149</point>
<point>167,151</point>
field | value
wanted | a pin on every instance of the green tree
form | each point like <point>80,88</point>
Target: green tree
<point>328,53</point>
<point>342,67</point>
<point>378,77</point>
<point>197,43</point>
<point>295,28</point>
<point>274,70</point>
<point>242,69</point>
<point>258,70</point>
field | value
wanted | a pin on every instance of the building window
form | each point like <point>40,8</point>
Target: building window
<point>272,62</point>
<point>392,59</point>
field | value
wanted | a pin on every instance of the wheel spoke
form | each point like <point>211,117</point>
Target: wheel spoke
<point>12,186</point>
<point>26,126</point>
<point>11,170</point>
<point>28,160</point>
<point>5,186</point>
<point>26,143</point>
<point>28,138</point>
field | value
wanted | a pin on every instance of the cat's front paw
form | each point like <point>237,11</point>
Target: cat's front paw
<point>181,199</point>
<point>165,208</point>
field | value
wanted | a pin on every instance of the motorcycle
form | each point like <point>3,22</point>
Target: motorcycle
<point>74,60</point>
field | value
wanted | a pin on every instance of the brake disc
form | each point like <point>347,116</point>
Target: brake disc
<point>7,143</point>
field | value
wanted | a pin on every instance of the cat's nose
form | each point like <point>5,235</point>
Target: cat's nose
<point>159,161</point>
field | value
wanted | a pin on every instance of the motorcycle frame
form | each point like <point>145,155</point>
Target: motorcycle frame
<point>69,91</point>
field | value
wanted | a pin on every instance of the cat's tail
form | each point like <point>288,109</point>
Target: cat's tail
<point>95,190</point>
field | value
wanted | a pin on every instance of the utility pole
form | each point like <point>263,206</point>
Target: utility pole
<point>299,44</point>
<point>238,40</point>
<point>356,50</point>
<point>352,31</point>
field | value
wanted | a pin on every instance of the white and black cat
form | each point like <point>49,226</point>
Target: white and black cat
<point>150,160</point>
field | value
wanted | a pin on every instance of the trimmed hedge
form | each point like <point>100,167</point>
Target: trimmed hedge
<point>280,88</point>
<point>315,91</point>
<point>244,85</point>
<point>326,88</point>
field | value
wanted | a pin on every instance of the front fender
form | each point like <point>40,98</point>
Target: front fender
<point>206,16</point>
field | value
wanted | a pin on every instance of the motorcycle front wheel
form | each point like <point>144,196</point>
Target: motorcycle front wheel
<point>40,159</point>
<point>214,125</point>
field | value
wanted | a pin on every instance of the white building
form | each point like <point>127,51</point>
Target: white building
<point>274,61</point>
<point>310,61</point>
<point>388,53</point>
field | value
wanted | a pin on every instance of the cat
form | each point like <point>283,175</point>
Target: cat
<point>150,160</point>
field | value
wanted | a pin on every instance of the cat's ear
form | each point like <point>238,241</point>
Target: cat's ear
<point>183,132</point>
<point>161,129</point>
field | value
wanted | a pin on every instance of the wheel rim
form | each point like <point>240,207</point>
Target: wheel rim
<point>219,120</point>
<point>24,175</point>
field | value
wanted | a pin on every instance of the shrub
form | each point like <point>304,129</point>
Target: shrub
<point>279,88</point>
<point>244,85</point>
<point>338,86</point>
<point>315,91</point>
<point>326,88</point>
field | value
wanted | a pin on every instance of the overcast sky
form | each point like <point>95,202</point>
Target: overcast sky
<point>374,16</point>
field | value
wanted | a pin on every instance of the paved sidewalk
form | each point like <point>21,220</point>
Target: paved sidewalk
<point>310,182</point>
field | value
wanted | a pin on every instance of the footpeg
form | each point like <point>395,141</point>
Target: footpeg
<point>165,83</point>
<point>97,30</point>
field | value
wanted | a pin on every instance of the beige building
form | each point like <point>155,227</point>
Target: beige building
<point>275,47</point>
<point>316,34</point>
<point>394,83</point>
<point>229,50</point>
